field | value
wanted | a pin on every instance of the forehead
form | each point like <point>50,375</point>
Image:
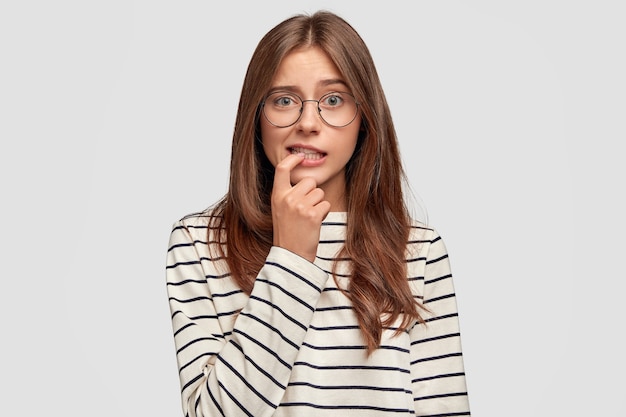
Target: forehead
<point>307,68</point>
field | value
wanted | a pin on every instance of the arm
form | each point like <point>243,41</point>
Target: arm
<point>241,370</point>
<point>437,369</point>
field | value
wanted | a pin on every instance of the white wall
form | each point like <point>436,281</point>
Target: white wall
<point>115,120</point>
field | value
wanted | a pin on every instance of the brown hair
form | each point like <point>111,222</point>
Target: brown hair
<point>378,220</point>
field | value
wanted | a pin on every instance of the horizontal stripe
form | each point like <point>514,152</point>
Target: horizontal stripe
<point>446,395</point>
<point>280,310</point>
<point>436,358</point>
<point>293,345</point>
<point>287,293</point>
<point>346,407</point>
<point>300,277</point>
<point>262,346</point>
<point>432,377</point>
<point>350,387</point>
<point>351,367</point>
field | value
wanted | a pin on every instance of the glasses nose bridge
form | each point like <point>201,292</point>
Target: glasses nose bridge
<point>317,108</point>
<point>317,105</point>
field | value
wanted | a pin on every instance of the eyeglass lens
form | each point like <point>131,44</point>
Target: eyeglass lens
<point>283,109</point>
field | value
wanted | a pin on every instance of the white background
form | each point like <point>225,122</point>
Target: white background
<point>116,119</point>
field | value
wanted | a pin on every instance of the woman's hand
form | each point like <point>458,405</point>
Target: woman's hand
<point>297,211</point>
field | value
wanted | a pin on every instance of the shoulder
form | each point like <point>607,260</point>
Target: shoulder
<point>421,231</point>
<point>197,219</point>
<point>197,223</point>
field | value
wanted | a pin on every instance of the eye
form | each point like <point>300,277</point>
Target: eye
<point>332,100</point>
<point>283,100</point>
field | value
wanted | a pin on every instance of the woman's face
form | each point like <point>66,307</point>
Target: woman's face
<point>310,74</point>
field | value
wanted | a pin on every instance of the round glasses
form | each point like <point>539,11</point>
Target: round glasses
<point>284,109</point>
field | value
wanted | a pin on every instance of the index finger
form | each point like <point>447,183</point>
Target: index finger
<point>282,174</point>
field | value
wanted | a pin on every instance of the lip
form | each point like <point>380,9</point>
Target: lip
<point>307,149</point>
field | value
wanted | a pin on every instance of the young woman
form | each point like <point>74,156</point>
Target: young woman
<point>308,290</point>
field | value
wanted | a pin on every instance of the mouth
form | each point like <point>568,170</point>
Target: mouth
<point>309,154</point>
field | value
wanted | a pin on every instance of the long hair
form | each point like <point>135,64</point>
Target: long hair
<point>378,220</point>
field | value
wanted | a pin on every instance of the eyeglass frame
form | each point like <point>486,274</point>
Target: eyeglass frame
<point>319,111</point>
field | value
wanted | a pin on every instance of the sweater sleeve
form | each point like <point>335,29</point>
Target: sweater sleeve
<point>243,370</point>
<point>438,377</point>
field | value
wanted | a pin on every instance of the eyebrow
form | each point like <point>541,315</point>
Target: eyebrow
<point>321,83</point>
<point>332,81</point>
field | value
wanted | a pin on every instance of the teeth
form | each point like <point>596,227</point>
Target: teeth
<point>308,153</point>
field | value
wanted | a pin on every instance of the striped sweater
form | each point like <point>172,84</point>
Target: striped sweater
<point>293,346</point>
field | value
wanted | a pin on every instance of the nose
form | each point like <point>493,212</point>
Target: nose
<point>310,119</point>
